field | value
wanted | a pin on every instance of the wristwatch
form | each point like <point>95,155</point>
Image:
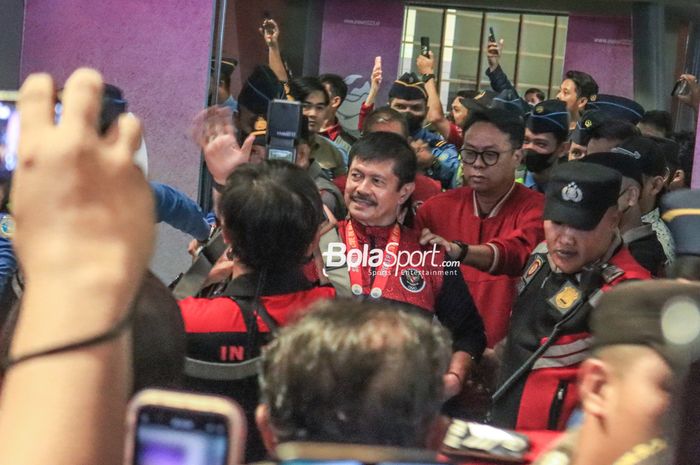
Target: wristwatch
<point>428,77</point>
<point>464,248</point>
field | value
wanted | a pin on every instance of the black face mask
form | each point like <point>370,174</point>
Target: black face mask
<point>537,162</point>
<point>415,123</point>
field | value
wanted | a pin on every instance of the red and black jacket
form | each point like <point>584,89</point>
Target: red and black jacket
<point>545,396</point>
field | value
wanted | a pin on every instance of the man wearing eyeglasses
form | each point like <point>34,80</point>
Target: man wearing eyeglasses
<point>493,223</point>
<point>315,100</point>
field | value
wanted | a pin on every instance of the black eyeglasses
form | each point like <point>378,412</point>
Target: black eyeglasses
<point>489,157</point>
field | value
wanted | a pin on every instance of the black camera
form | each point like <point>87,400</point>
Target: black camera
<point>284,120</point>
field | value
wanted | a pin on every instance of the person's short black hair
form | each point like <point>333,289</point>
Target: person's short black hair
<point>301,87</point>
<point>467,93</point>
<point>271,212</point>
<point>385,114</point>
<point>356,372</point>
<point>506,122</point>
<point>615,129</point>
<point>585,84</point>
<point>660,119</point>
<point>386,146</point>
<point>337,85</point>
<point>534,90</point>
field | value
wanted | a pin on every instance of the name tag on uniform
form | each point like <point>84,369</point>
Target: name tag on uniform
<point>566,298</point>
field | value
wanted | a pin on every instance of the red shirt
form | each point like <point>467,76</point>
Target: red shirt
<point>512,229</point>
<point>332,132</point>
<point>456,136</point>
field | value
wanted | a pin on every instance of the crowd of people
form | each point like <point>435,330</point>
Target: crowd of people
<point>511,261</point>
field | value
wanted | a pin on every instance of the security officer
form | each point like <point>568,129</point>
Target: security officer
<point>582,256</point>
<point>581,135</point>
<point>626,385</point>
<point>546,133</point>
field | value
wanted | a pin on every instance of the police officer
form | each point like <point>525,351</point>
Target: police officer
<point>546,133</point>
<point>582,255</point>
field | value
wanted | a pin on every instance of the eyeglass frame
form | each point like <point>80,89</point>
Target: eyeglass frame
<point>481,155</point>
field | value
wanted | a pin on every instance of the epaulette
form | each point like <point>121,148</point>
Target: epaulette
<point>441,143</point>
<point>611,272</point>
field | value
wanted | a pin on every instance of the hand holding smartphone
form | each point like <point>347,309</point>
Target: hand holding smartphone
<point>179,428</point>
<point>425,46</point>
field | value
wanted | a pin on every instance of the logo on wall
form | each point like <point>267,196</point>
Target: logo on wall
<point>412,280</point>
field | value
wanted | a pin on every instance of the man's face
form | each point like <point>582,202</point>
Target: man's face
<point>577,151</point>
<point>544,143</point>
<point>481,137</point>
<point>459,112</point>
<point>571,249</point>
<point>638,396</point>
<point>532,98</point>
<point>567,94</point>
<point>414,110</point>
<point>372,192</point>
<point>314,108</point>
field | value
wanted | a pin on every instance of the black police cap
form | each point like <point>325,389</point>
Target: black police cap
<point>636,313</point>
<point>261,87</point>
<point>617,107</point>
<point>627,164</point>
<point>578,194</point>
<point>549,116</point>
<point>589,121</point>
<point>480,101</point>
<point>509,99</point>
<point>681,212</point>
<point>408,87</point>
<point>647,151</point>
<point>228,65</point>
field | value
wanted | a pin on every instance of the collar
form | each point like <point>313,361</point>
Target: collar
<point>282,282</point>
<point>652,217</point>
<point>333,131</point>
<point>376,232</point>
<point>497,208</point>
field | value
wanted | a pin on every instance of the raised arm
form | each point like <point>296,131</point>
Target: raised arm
<point>436,115</point>
<point>271,32</point>
<point>84,239</point>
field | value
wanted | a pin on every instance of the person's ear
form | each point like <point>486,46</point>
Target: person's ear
<point>657,184</point>
<point>581,104</point>
<point>225,234</point>
<point>262,420</point>
<point>593,387</point>
<point>518,156</point>
<point>336,102</point>
<point>677,180</point>
<point>633,193</point>
<point>406,191</point>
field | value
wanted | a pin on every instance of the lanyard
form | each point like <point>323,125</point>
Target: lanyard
<point>382,276</point>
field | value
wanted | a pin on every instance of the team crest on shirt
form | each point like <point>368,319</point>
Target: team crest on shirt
<point>412,280</point>
<point>534,268</point>
<point>566,297</point>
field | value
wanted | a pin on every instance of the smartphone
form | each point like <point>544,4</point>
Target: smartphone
<point>681,88</point>
<point>424,45</point>
<point>180,428</point>
<point>492,36</point>
<point>9,130</point>
<point>268,27</point>
<point>112,107</point>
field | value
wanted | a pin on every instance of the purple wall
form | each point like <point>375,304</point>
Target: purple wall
<point>602,47</point>
<point>158,53</point>
<point>353,34</point>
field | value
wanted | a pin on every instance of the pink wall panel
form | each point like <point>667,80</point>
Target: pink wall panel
<point>158,53</point>
<point>602,47</point>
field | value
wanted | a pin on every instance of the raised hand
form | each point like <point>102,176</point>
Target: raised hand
<point>213,131</point>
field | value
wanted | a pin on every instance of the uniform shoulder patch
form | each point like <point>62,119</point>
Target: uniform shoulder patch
<point>611,272</point>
